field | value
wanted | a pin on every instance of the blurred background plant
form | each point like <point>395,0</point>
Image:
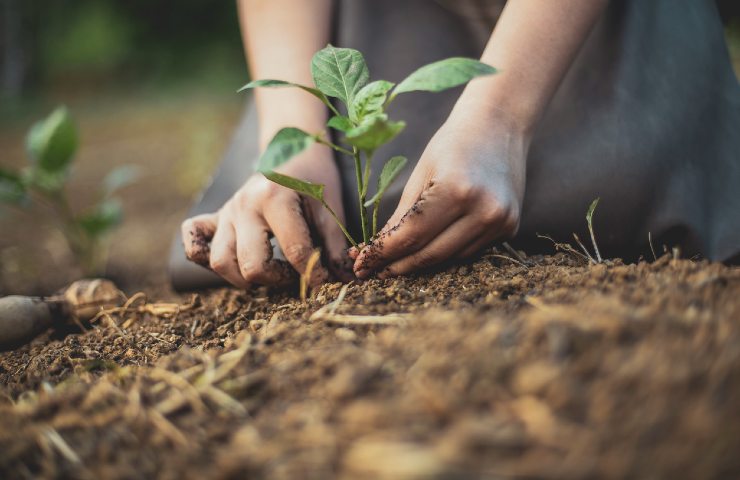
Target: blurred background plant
<point>151,84</point>
<point>51,145</point>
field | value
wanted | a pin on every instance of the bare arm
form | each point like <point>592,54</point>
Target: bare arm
<point>470,180</point>
<point>280,37</point>
<point>533,45</point>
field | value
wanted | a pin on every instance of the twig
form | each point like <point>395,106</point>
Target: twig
<point>513,252</point>
<point>511,260</point>
<point>390,319</point>
<point>330,308</point>
<point>580,244</point>
<point>566,247</point>
<point>167,428</point>
<point>650,241</point>
<point>62,447</point>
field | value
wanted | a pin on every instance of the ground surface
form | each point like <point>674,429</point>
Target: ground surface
<point>545,369</point>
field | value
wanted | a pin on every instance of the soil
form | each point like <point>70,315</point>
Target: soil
<point>529,367</point>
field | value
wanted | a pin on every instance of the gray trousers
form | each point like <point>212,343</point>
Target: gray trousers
<point>647,118</point>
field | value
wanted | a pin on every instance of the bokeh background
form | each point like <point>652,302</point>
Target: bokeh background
<point>152,84</point>
<point>149,83</point>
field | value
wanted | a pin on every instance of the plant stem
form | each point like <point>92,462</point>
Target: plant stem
<point>376,207</point>
<point>360,193</point>
<point>341,225</point>
<point>366,175</point>
<point>328,103</point>
<point>333,146</point>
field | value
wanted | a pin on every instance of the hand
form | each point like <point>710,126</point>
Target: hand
<point>465,192</point>
<point>235,241</point>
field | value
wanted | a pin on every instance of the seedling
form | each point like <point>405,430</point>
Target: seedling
<point>341,73</point>
<point>589,220</point>
<point>51,145</point>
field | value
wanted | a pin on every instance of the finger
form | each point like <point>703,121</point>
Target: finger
<point>430,215</point>
<point>478,244</point>
<point>223,254</point>
<point>197,233</point>
<point>254,254</point>
<point>445,246</point>
<point>288,224</point>
<point>499,226</point>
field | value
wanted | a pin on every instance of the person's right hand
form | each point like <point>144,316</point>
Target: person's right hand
<point>235,241</point>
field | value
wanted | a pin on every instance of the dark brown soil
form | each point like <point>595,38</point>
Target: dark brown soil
<point>550,369</point>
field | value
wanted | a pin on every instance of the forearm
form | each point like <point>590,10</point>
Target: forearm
<point>533,45</point>
<point>280,37</point>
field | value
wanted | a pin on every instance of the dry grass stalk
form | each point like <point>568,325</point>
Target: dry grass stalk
<point>61,446</point>
<point>565,247</point>
<point>328,314</point>
<point>306,276</point>
<point>513,260</point>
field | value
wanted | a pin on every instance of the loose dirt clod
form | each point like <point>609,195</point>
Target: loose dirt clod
<point>554,369</point>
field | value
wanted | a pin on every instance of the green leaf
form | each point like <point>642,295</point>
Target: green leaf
<point>313,190</point>
<point>339,122</point>
<point>12,189</point>
<point>590,212</point>
<point>286,144</point>
<point>390,172</point>
<point>103,217</point>
<point>269,83</point>
<point>52,142</point>
<point>49,182</point>
<point>339,72</point>
<point>369,100</point>
<point>443,74</point>
<point>119,177</point>
<point>374,132</point>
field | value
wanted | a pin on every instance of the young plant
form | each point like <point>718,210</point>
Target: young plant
<point>341,73</point>
<point>51,145</point>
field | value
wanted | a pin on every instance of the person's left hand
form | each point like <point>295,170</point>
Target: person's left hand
<point>465,192</point>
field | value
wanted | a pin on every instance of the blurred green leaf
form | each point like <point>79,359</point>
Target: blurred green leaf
<point>52,142</point>
<point>12,189</point>
<point>313,190</point>
<point>48,182</point>
<point>119,177</point>
<point>286,144</point>
<point>444,74</point>
<point>339,72</point>
<point>102,218</point>
<point>369,100</point>
<point>373,132</point>
<point>390,172</point>
<point>339,122</point>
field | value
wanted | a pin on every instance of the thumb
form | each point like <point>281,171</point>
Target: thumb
<point>411,193</point>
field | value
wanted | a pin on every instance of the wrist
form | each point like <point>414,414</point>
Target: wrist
<point>485,103</point>
<point>281,108</point>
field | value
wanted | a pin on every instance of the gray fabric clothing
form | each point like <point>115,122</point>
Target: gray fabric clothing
<point>647,118</point>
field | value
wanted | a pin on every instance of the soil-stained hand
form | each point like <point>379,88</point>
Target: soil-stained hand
<point>235,241</point>
<point>465,192</point>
